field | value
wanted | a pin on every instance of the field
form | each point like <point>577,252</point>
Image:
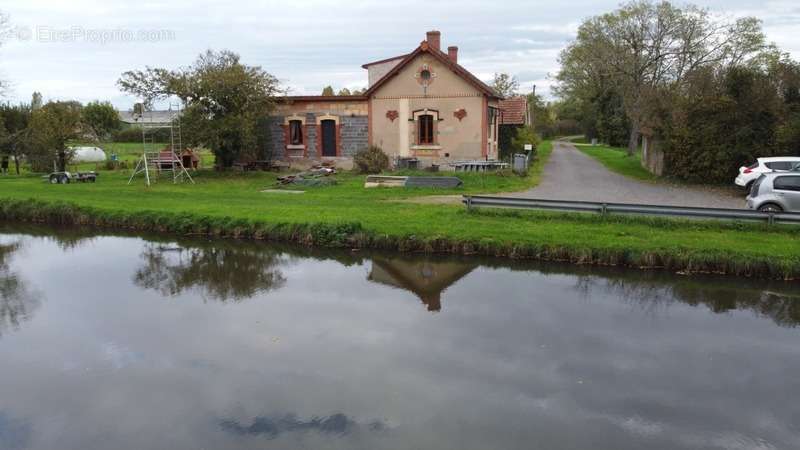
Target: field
<point>403,215</point>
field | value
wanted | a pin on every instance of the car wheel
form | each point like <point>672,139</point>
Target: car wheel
<point>770,208</point>
<point>53,179</point>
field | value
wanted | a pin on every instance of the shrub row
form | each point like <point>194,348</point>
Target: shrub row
<point>353,235</point>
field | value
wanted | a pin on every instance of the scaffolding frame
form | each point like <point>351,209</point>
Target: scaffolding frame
<point>164,160</point>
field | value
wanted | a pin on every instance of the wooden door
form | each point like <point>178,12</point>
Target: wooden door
<point>328,138</point>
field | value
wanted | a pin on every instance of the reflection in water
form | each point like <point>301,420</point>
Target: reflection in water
<point>230,272</point>
<point>272,427</point>
<point>654,291</point>
<point>529,356</point>
<point>14,434</point>
<point>426,279</point>
<point>17,303</point>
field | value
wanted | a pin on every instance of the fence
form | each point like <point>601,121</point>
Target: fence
<point>474,201</point>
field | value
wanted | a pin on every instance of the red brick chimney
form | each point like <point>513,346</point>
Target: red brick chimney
<point>434,39</point>
<point>452,52</point>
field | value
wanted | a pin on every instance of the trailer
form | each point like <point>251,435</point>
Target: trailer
<point>68,177</point>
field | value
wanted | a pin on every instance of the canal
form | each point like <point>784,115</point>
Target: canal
<point>132,342</point>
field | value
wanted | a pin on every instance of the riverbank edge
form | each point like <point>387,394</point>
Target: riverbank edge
<point>352,235</point>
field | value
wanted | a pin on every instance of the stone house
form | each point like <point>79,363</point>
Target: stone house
<point>422,105</point>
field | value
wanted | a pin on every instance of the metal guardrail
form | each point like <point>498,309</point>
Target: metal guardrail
<point>473,201</point>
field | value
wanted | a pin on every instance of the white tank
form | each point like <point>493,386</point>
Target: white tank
<point>88,154</point>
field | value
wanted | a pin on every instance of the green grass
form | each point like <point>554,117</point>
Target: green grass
<point>226,197</point>
<point>617,160</point>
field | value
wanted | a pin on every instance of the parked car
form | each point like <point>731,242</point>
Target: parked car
<point>776,192</point>
<point>749,174</point>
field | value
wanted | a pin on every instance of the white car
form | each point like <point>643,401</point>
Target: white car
<point>749,174</point>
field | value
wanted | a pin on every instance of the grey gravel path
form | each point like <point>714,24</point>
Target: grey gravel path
<point>572,175</point>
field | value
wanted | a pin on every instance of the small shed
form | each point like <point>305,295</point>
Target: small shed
<point>190,159</point>
<point>514,113</point>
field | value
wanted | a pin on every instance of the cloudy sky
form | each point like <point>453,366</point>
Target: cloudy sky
<point>77,49</point>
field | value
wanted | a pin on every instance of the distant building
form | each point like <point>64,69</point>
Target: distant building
<point>514,113</point>
<point>421,105</point>
<point>155,118</point>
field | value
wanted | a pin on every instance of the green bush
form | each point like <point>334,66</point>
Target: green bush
<point>371,160</point>
<point>524,135</point>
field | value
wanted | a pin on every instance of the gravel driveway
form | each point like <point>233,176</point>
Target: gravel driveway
<point>572,175</point>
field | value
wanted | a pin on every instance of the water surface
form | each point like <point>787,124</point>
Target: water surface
<point>134,343</point>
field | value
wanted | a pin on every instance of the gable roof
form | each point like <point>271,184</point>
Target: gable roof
<point>366,66</point>
<point>442,58</point>
<point>515,111</point>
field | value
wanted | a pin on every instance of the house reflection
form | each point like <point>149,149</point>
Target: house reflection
<point>425,278</point>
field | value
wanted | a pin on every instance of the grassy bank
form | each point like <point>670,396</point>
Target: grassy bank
<point>617,160</point>
<point>347,215</point>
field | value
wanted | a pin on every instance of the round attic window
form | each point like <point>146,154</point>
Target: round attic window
<point>425,75</point>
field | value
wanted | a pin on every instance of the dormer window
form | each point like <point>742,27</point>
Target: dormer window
<point>295,132</point>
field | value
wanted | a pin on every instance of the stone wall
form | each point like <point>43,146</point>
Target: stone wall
<point>277,140</point>
<point>355,134</point>
<point>310,137</point>
<point>652,156</point>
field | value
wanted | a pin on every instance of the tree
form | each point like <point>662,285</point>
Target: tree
<point>223,99</point>
<point>523,136</point>
<point>327,91</point>
<point>51,128</point>
<point>644,51</point>
<point>344,91</point>
<point>15,121</point>
<point>101,118</point>
<point>505,85</point>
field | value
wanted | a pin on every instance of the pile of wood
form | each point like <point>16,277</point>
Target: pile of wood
<point>316,176</point>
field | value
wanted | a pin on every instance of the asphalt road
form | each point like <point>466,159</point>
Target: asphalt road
<point>572,175</point>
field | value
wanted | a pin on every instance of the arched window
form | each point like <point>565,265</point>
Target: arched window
<point>295,132</point>
<point>425,129</point>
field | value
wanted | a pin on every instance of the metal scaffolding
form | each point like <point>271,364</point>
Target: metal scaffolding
<point>167,160</point>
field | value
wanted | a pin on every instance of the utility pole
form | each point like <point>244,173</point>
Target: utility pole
<point>533,108</point>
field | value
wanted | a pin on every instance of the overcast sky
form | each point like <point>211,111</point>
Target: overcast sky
<point>60,51</point>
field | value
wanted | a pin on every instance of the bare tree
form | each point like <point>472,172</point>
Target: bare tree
<point>505,85</point>
<point>645,49</point>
